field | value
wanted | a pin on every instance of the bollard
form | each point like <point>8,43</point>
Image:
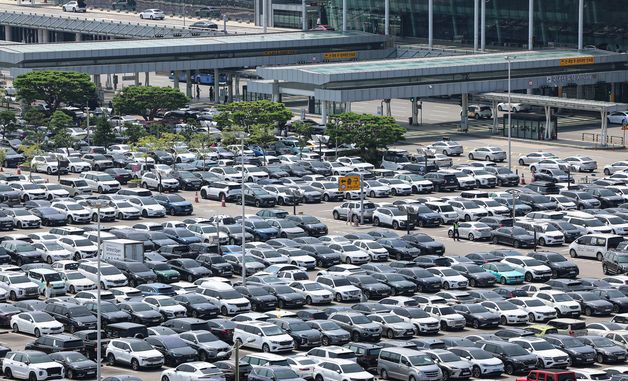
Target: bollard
<point>523,180</point>
<point>222,201</point>
<point>196,198</point>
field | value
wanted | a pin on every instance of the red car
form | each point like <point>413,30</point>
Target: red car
<point>549,375</point>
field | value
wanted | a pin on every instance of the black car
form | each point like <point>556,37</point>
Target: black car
<point>607,350</point>
<point>425,217</point>
<point>56,343</point>
<point>122,175</point>
<point>442,181</point>
<point>109,312</point>
<point>228,368</point>
<point>142,313</point>
<point>303,334</point>
<point>606,197</point>
<point>561,266</point>
<point>21,252</point>
<point>197,306</point>
<point>261,300</point>
<point>136,272</point>
<point>400,249</point>
<point>495,222</point>
<point>370,286</point>
<point>73,317</point>
<point>592,304</point>
<point>424,280</point>
<point>325,257</point>
<point>426,244</point>
<point>399,284</point>
<point>188,181</point>
<point>287,297</point>
<point>477,315</point>
<point>6,312</point>
<point>258,197</point>
<point>174,204</point>
<point>515,358</point>
<point>49,216</point>
<point>189,269</point>
<point>366,354</point>
<point>545,187</point>
<point>579,353</point>
<point>75,364</point>
<point>159,239</point>
<point>216,264</point>
<point>513,236</point>
<point>476,275</point>
<point>175,350</point>
<point>615,262</point>
<point>275,172</point>
<point>222,328</point>
<point>616,297</point>
<point>505,176</point>
<point>161,157</point>
<point>312,225</point>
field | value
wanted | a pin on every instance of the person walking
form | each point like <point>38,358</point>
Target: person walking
<point>349,217</point>
<point>456,231</point>
<point>48,290</point>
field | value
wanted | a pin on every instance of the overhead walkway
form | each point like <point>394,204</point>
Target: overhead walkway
<point>550,103</point>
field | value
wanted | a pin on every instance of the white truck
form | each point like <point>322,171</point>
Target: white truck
<point>123,250</point>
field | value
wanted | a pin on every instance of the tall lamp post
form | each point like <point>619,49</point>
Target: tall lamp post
<point>98,204</point>
<point>243,240</point>
<point>514,193</point>
<point>509,60</point>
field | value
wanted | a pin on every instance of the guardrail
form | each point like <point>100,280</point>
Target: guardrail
<point>610,140</point>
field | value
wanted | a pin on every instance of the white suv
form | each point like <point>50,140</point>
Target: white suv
<point>217,190</point>
<point>262,335</point>
<point>134,352</point>
<point>109,275</point>
<point>564,305</point>
<point>226,298</point>
<point>355,163</point>
<point>158,182</point>
<point>101,182</point>
<point>390,217</point>
<point>18,286</point>
<point>340,370</point>
<point>79,246</point>
<point>31,365</point>
<point>46,164</point>
<point>166,306</point>
<point>74,212</point>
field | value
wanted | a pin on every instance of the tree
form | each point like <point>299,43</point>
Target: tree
<point>304,132</point>
<point>247,114</point>
<point>147,100</point>
<point>59,123</point>
<point>35,117</point>
<point>262,135</point>
<point>55,87</point>
<point>133,132</point>
<point>8,123</point>
<point>62,138</point>
<point>368,133</point>
<point>103,133</point>
<point>201,142</point>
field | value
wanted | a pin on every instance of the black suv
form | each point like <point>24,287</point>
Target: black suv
<point>615,262</point>
<point>56,343</point>
<point>442,181</point>
<point>216,264</point>
<point>515,358</point>
<point>312,225</point>
<point>261,300</point>
<point>561,266</point>
<point>136,272</point>
<point>72,316</point>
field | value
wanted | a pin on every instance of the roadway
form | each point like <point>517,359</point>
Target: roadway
<point>233,27</point>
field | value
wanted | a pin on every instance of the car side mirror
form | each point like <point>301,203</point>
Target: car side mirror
<point>259,334</point>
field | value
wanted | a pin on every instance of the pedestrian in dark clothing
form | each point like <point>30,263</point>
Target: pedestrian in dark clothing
<point>456,231</point>
<point>211,93</point>
<point>198,92</point>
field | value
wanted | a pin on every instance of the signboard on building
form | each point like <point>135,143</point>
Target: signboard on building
<point>349,183</point>
<point>340,55</point>
<point>587,60</point>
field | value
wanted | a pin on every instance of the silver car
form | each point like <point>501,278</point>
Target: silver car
<point>489,153</point>
<point>341,211</point>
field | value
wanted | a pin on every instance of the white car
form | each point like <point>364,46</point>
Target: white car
<point>392,217</point>
<point>79,246</point>
<point>447,147</point>
<point>350,254</point>
<point>489,153</point>
<point>23,218</point>
<point>18,286</point>
<point>313,291</point>
<point>35,323</point>
<point>110,276</point>
<point>374,188</point>
<point>468,210</point>
<point>78,165</point>
<point>375,251</point>
<point>617,117</point>
<point>100,182</point>
<point>77,282</point>
<point>423,322</point>
<point>339,169</point>
<point>465,181</point>
<point>617,166</point>
<point>168,307</point>
<point>340,370</point>
<point>564,304</point>
<point>31,365</point>
<point>125,293</point>
<point>125,210</point>
<point>509,313</point>
<point>302,365</point>
<point>159,182</point>
<point>533,269</point>
<point>53,191</point>
<point>134,352</point>
<point>355,163</point>
<point>29,191</point>
<point>537,310</point>
<point>618,225</point>
<point>449,278</point>
<point>535,157</point>
<point>550,164</point>
<point>262,335</point>
<point>74,212</point>
<point>494,207</point>
<point>397,186</point>
<point>194,371</point>
<point>581,163</point>
<point>147,206</point>
<point>514,107</point>
<point>45,164</point>
<point>342,289</point>
<point>483,179</point>
<point>152,14</point>
<point>564,203</point>
<point>252,173</point>
<point>550,356</point>
<point>107,213</point>
<point>51,251</point>
<point>227,173</point>
<point>449,318</point>
<point>472,230</point>
<point>207,233</point>
<point>74,6</point>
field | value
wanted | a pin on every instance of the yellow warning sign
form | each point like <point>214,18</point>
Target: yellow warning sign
<point>340,55</point>
<point>349,183</point>
<point>588,60</point>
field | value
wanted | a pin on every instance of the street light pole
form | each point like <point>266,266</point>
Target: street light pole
<point>243,240</point>
<point>509,60</point>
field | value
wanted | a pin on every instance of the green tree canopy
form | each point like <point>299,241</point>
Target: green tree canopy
<point>35,117</point>
<point>368,133</point>
<point>8,122</point>
<point>147,100</point>
<point>59,123</point>
<point>55,87</point>
<point>133,132</point>
<point>103,133</point>
<point>247,114</point>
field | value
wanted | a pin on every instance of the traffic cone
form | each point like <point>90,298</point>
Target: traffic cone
<point>222,202</point>
<point>19,172</point>
<point>196,198</point>
<point>523,180</point>
<point>1,169</point>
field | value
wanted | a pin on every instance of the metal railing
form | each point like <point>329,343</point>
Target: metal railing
<point>596,138</point>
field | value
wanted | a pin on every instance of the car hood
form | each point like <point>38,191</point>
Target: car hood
<point>461,364</point>
<point>487,315</point>
<point>183,351</point>
<point>85,364</point>
<point>181,203</point>
<point>347,288</point>
<point>148,314</point>
<point>510,273</point>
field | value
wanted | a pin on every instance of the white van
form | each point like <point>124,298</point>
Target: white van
<point>405,363</point>
<point>594,245</point>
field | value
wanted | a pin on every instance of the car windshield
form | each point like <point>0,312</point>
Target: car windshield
<point>591,222</point>
<point>541,346</point>
<point>416,313</point>
<point>447,311</point>
<point>392,319</point>
<point>52,277</point>
<point>109,270</point>
<point>39,358</point>
<point>603,342</point>
<point>174,342</point>
<point>448,357</point>
<point>506,306</point>
<point>272,331</point>
<point>476,308</point>
<point>310,220</point>
<point>140,346</point>
<point>18,279</point>
<point>339,282</point>
<point>562,298</point>
<point>360,319</point>
<point>313,286</point>
<point>42,317</point>
<point>449,272</point>
<point>285,374</point>
<point>534,303</point>
<point>570,342</point>
<point>351,368</point>
<point>614,294</point>
<point>300,326</point>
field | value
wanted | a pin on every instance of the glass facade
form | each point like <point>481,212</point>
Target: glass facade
<point>555,21</point>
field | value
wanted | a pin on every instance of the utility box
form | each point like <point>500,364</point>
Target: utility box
<point>123,250</point>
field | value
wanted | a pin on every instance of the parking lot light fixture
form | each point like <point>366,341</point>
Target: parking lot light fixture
<point>98,204</point>
<point>514,193</point>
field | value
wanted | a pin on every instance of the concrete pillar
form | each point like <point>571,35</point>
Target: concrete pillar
<point>415,111</point>
<point>78,37</point>
<point>495,118</point>
<point>483,26</point>
<point>216,86</point>
<point>188,83</point>
<point>344,15</point>
<point>347,106</point>
<point>108,82</point>
<point>386,17</point>
<point>176,80</point>
<point>40,36</point>
<point>387,110</point>
<point>530,24</point>
<point>137,79</point>
<point>146,79</point>
<point>579,92</point>
<point>8,33</point>
<point>265,16</point>
<point>604,131</point>
<point>476,29</point>
<point>548,122</point>
<point>303,15</point>
<point>324,112</point>
<point>612,95</point>
<point>581,25</point>
<point>237,86</point>
<point>46,36</point>
<point>230,88</point>
<point>430,23</point>
<point>464,116</point>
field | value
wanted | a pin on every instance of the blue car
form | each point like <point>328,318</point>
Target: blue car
<point>505,274</point>
<point>174,204</point>
<point>152,289</point>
